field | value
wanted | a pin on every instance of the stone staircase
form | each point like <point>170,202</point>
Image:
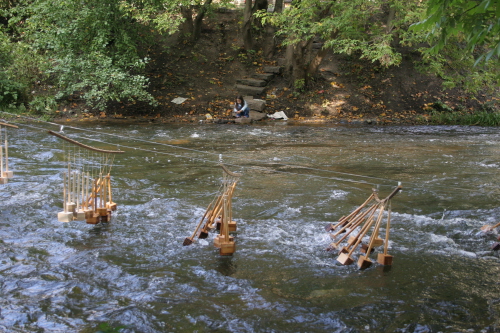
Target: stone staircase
<point>253,90</point>
<point>256,85</point>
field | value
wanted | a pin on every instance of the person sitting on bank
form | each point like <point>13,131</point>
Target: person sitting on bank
<point>241,108</point>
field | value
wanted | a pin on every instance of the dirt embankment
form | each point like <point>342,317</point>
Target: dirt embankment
<point>345,90</point>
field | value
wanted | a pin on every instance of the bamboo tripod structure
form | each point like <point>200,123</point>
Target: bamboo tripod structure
<point>87,191</point>
<point>218,215</point>
<point>5,173</point>
<point>367,217</point>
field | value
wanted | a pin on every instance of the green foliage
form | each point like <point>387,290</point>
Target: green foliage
<point>477,23</point>
<point>46,105</point>
<point>490,107</point>
<point>10,89</point>
<point>376,30</point>
<point>457,69</point>
<point>440,106</point>
<point>347,27</point>
<point>10,92</point>
<point>90,47</point>
<point>100,80</point>
<point>299,84</point>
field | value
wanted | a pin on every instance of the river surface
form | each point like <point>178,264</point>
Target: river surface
<point>134,272</point>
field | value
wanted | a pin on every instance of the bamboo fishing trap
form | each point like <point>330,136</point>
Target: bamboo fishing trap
<point>218,215</point>
<point>353,230</point>
<point>87,190</point>
<point>5,173</point>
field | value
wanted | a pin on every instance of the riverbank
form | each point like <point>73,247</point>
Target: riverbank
<point>346,89</point>
<point>405,119</point>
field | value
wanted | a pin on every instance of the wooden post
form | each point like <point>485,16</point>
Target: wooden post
<point>345,258</point>
<point>364,261</point>
<point>65,215</point>
<point>110,204</point>
<point>80,212</point>
<point>227,245</point>
<point>190,240</point>
<point>7,173</point>
<point>384,258</point>
<point>3,180</point>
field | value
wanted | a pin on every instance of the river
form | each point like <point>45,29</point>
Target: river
<point>134,272</point>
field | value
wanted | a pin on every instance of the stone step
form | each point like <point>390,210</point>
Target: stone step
<point>254,115</point>
<point>256,104</point>
<point>250,90</point>
<point>263,76</point>
<point>252,82</point>
<point>273,69</point>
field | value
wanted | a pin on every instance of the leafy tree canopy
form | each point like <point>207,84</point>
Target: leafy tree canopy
<point>477,22</point>
<point>364,27</point>
<point>96,48</point>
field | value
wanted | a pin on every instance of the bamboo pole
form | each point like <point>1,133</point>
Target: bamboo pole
<point>341,221</point>
<point>6,173</point>
<point>354,222</point>
<point>109,189</point>
<point>345,258</point>
<point>384,258</point>
<point>8,125</point>
<point>86,146</point>
<point>64,193</point>
<point>364,261</point>
<point>190,240</point>
<point>352,226</point>
<point>1,160</point>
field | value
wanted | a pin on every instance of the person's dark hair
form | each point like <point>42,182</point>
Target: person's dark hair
<point>239,98</point>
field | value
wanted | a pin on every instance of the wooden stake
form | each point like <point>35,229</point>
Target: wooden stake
<point>3,180</point>
<point>190,240</point>
<point>345,219</point>
<point>7,173</point>
<point>384,258</point>
<point>366,262</point>
<point>64,216</point>
<point>352,226</point>
<point>345,258</point>
<point>487,228</point>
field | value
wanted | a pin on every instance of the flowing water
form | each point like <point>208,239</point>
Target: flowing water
<point>135,272</point>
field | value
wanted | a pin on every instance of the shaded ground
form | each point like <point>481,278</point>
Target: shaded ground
<point>345,90</point>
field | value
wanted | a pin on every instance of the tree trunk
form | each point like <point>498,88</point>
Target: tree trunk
<point>278,6</point>
<point>270,32</point>
<point>199,20</point>
<point>312,69</point>
<point>187,26</point>
<point>390,26</point>
<point>269,41</point>
<point>247,26</point>
<point>259,5</point>
<point>296,63</point>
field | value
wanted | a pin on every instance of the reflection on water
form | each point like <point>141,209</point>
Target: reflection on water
<point>134,271</point>
<point>226,266</point>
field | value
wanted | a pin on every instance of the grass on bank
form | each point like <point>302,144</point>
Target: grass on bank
<point>481,118</point>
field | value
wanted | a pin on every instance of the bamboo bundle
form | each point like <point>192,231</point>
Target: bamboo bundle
<point>5,173</point>
<point>363,220</point>
<point>87,183</point>
<point>218,215</point>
